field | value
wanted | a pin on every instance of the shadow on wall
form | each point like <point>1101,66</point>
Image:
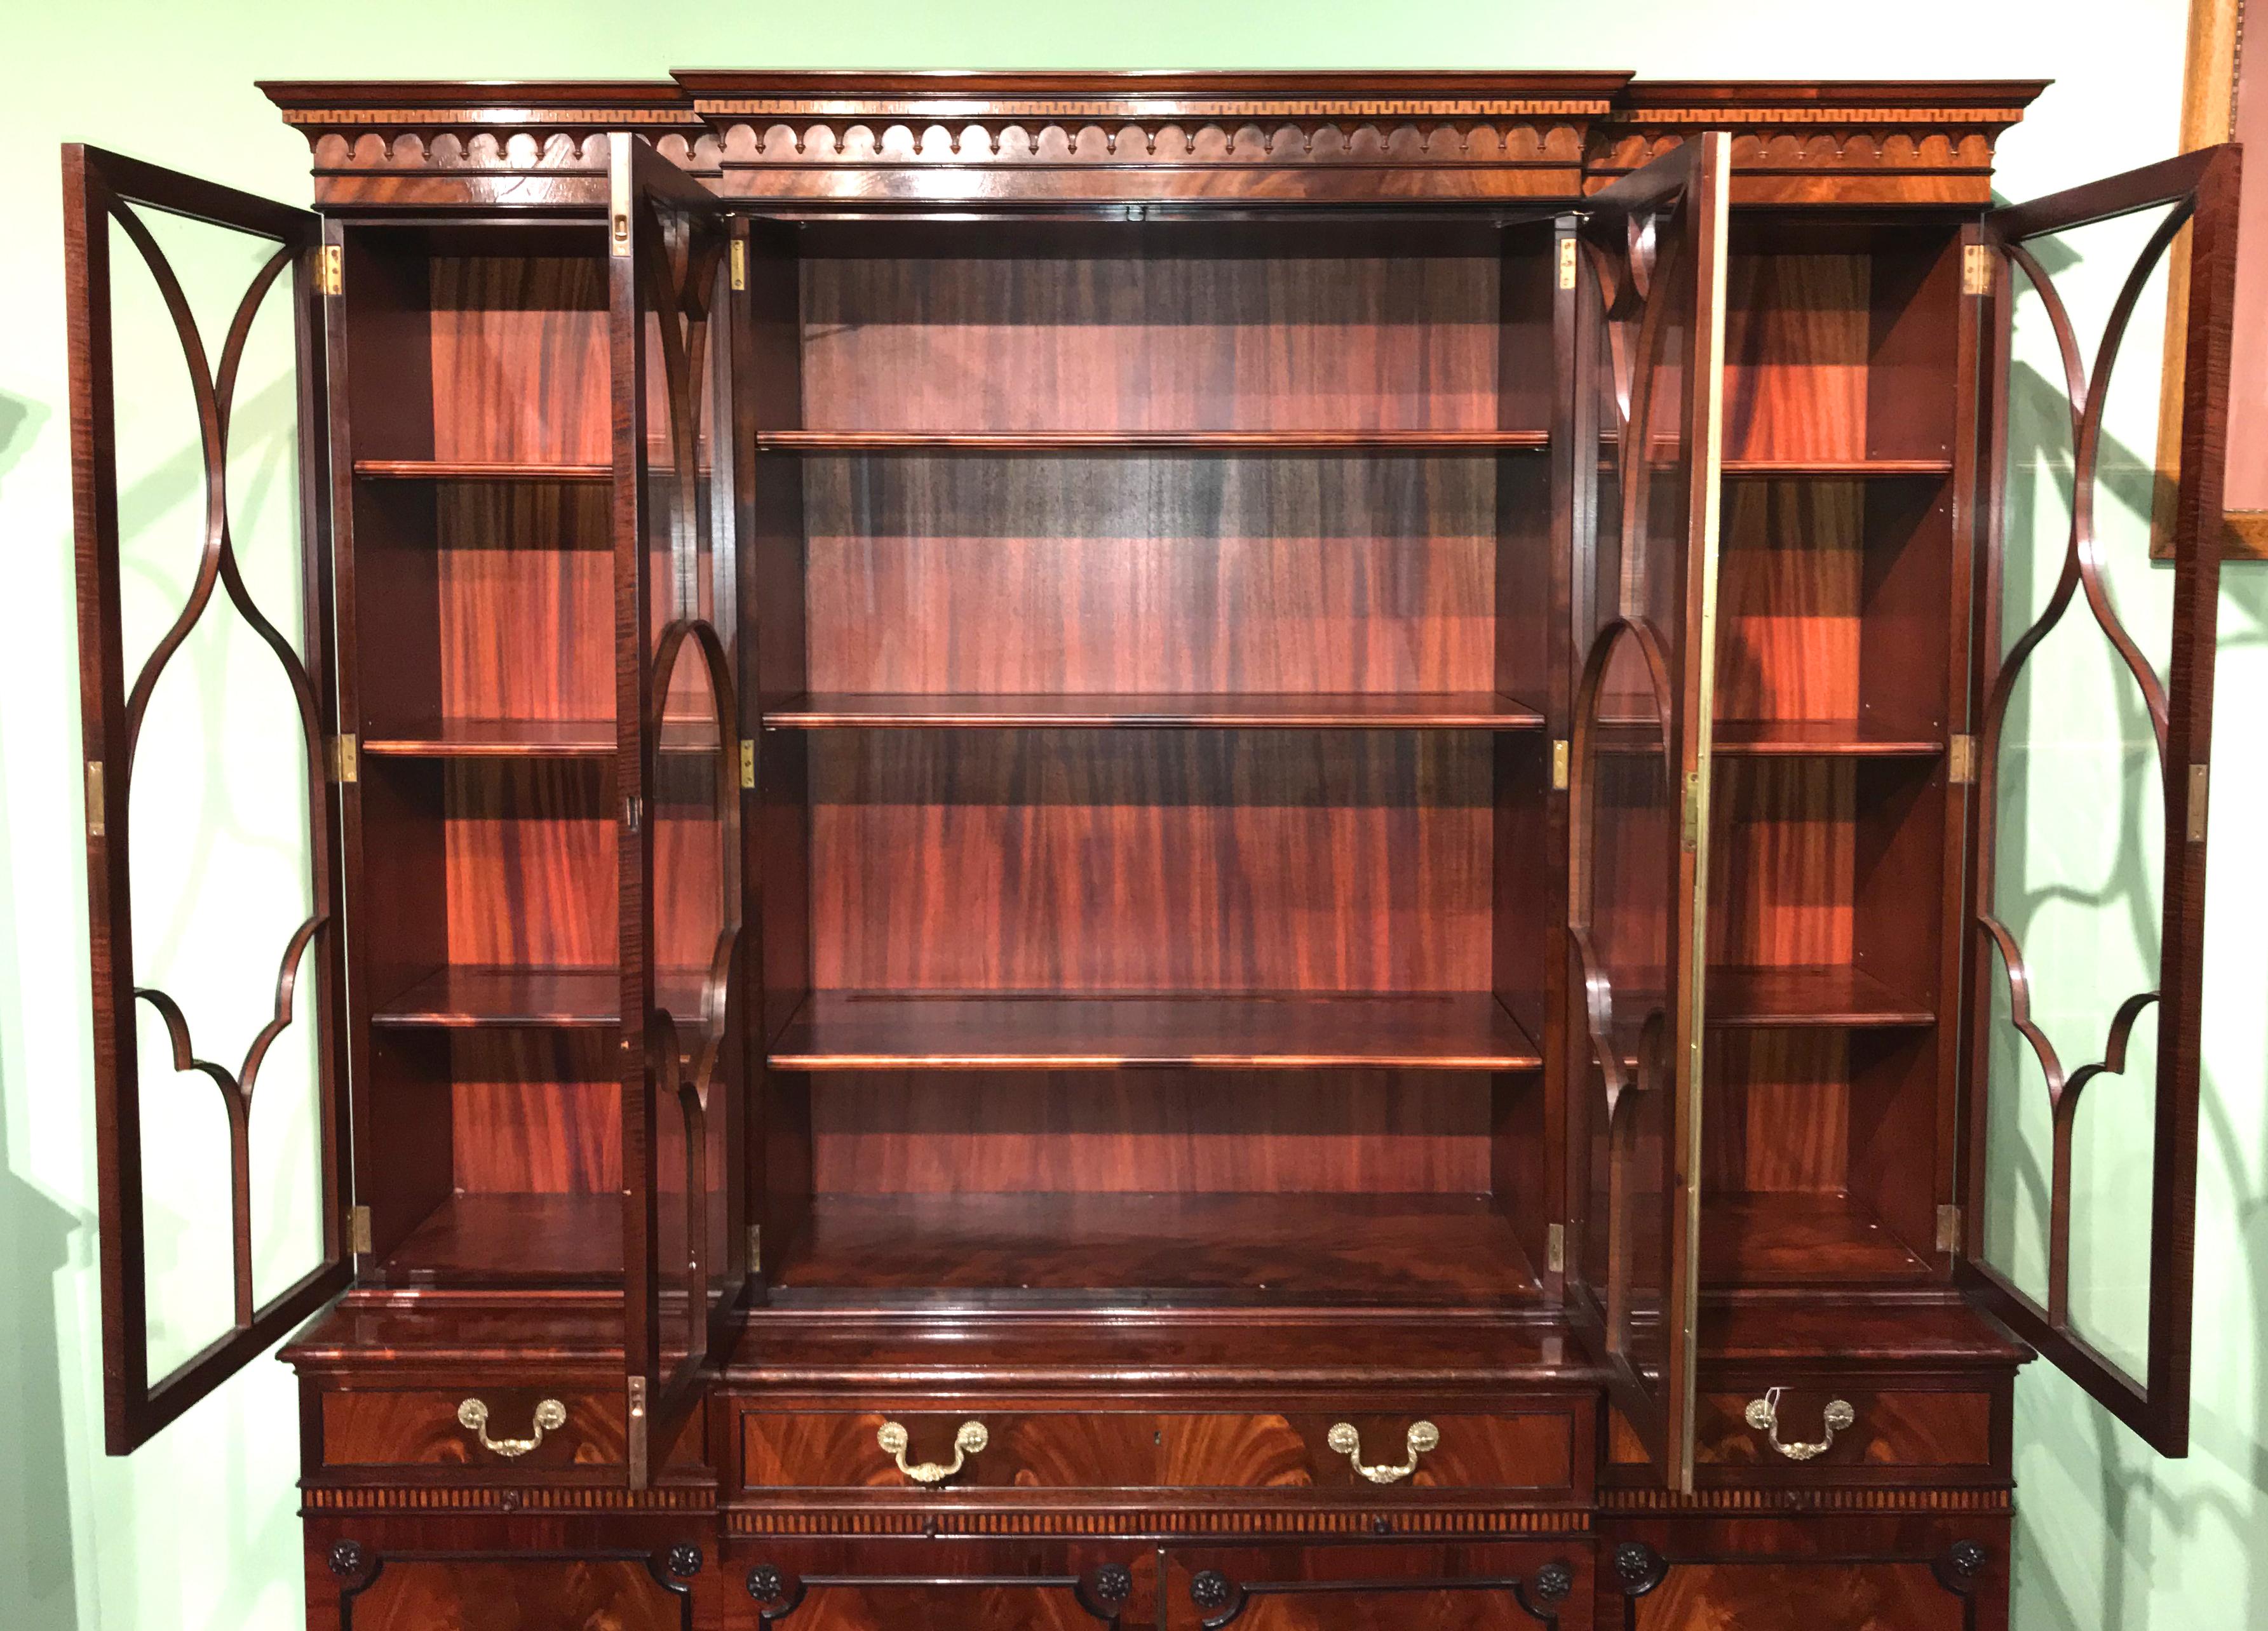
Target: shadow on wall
<point>37,1234</point>
<point>2149,1509</point>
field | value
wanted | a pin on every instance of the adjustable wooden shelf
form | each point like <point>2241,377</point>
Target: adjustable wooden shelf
<point>1132,849</point>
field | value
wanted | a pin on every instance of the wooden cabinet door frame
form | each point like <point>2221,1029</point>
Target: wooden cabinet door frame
<point>2198,190</point>
<point>1100,1594</point>
<point>1652,254</point>
<point>357,1569</point>
<point>101,189</point>
<point>1220,1590</point>
<point>669,242</point>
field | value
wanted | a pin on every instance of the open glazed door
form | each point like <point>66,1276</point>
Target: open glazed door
<point>682,770</point>
<point>2094,723</point>
<point>1650,334</point>
<point>208,709</point>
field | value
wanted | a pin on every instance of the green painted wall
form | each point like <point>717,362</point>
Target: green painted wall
<point>198,1533</point>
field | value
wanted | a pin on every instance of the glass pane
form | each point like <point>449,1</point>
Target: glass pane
<point>1628,810</point>
<point>2077,804</point>
<point>218,839</point>
<point>695,887</point>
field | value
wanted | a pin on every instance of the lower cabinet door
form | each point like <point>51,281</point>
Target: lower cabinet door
<point>1406,1587</point>
<point>1800,1597</point>
<point>533,1591</point>
<point>1824,1573</point>
<point>915,1584</point>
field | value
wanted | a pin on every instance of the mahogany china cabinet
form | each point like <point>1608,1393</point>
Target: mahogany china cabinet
<point>1048,850</point>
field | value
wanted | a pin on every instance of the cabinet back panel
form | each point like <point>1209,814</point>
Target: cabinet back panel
<point>1327,1131</point>
<point>527,591</point>
<point>1777,1111</point>
<point>519,358</point>
<point>1152,860</point>
<point>1151,574</point>
<point>1789,584</point>
<point>536,1112</point>
<point>1159,342</point>
<point>1782,861</point>
<point>1795,355</point>
<point>1841,343</point>
<point>530,868</point>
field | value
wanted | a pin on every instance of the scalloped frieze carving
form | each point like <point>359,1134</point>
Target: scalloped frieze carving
<point>1196,140</point>
<point>1898,148</point>
<point>1958,140</point>
<point>445,145</point>
<point>1435,138</point>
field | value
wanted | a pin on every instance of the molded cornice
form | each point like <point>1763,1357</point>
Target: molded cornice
<point>836,139</point>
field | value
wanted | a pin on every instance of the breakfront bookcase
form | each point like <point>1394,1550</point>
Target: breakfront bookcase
<point>1038,850</point>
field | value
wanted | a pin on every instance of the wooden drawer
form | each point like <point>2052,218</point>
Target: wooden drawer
<point>1890,1427</point>
<point>1525,1449</point>
<point>422,1427</point>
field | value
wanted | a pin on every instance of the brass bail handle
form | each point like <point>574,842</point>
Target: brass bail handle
<point>1422,1437</point>
<point>1763,1415</point>
<point>971,1438</point>
<point>474,1414</point>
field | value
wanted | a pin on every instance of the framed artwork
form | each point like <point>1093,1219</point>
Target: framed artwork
<point>2224,97</point>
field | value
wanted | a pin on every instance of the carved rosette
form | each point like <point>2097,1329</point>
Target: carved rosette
<point>1639,1568</point>
<point>1218,1599</point>
<point>1960,1567</point>
<point>776,1593</point>
<point>1541,1596</point>
<point>1107,1588</point>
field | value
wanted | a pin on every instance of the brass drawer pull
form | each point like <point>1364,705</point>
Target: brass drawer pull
<point>971,1438</point>
<point>1423,1436</point>
<point>474,1414</point>
<point>1763,1415</point>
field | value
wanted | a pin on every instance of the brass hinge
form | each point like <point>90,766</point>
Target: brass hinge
<point>96,823</point>
<point>331,270</point>
<point>633,811</point>
<point>2198,780</point>
<point>1948,1228</point>
<point>345,759</point>
<point>1559,765</point>
<point>740,263</point>
<point>1975,269</point>
<point>1689,836</point>
<point>618,208</point>
<point>747,762</point>
<point>1554,1248</point>
<point>634,1450</point>
<point>1961,760</point>
<point>755,1248</point>
<point>1567,262</point>
<point>358,1230</point>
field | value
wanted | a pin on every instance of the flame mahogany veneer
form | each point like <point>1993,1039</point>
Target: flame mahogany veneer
<point>1129,545</point>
